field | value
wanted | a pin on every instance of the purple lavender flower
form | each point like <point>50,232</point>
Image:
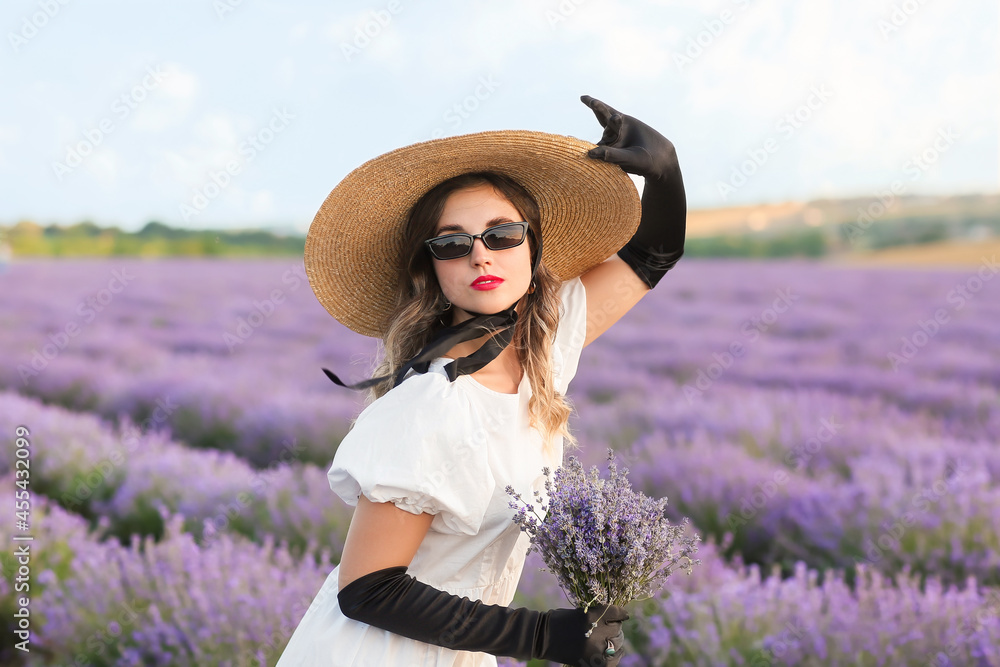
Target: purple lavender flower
<point>605,542</point>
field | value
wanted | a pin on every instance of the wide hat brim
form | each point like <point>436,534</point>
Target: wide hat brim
<point>589,210</point>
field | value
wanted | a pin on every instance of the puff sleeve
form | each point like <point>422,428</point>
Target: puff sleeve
<point>417,446</point>
<point>571,332</point>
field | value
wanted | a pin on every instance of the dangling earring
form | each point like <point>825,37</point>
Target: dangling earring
<point>448,307</point>
<point>531,290</point>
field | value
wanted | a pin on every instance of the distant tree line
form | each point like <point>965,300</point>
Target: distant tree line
<point>157,239</point>
<point>917,229</point>
<point>805,241</point>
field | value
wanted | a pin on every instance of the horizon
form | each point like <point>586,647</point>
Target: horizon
<point>895,210</point>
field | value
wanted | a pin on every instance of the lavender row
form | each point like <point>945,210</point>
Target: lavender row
<point>230,351</point>
<point>225,354</point>
<point>167,602</point>
<point>779,506</point>
<point>927,342</point>
<point>233,602</point>
<point>641,378</point>
<point>935,516</point>
<point>808,474</point>
<point>128,477</point>
<point>725,614</point>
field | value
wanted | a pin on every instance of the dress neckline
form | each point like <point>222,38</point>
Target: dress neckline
<point>521,387</point>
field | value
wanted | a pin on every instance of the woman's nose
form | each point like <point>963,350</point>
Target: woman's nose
<point>480,253</point>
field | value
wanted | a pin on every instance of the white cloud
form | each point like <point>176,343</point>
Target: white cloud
<point>285,70</point>
<point>470,39</point>
<point>366,35</point>
<point>67,131</point>
<point>298,32</point>
<point>623,41</point>
<point>342,28</point>
<point>387,48</point>
<point>262,203</point>
<point>104,166</point>
<point>889,96</point>
<point>168,167</point>
<point>169,103</point>
<point>10,135</point>
<point>217,142</point>
<point>764,64</point>
<point>217,129</point>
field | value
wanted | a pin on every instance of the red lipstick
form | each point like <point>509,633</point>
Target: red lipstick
<point>486,282</point>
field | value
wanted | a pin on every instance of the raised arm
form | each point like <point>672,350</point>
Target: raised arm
<point>616,285</point>
<point>613,288</point>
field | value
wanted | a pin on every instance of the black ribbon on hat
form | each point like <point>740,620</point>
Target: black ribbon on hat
<point>501,322</point>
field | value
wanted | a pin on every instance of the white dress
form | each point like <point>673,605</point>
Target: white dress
<point>448,449</point>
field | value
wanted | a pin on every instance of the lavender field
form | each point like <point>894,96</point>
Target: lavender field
<point>833,433</point>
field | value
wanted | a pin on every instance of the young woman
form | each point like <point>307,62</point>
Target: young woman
<point>485,263</point>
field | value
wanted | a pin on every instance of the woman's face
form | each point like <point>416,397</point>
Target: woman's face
<point>469,210</point>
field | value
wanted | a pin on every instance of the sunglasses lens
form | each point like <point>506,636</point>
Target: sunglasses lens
<point>504,236</point>
<point>500,237</point>
<point>450,248</point>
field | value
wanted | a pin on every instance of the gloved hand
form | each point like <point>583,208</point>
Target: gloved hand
<point>395,601</point>
<point>604,646</point>
<point>639,149</point>
<point>631,144</point>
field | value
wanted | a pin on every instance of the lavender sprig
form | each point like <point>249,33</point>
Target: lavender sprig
<point>604,542</point>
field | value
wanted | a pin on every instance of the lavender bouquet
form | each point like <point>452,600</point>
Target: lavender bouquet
<point>605,542</point>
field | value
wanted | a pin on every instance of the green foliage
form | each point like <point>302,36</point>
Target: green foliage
<point>810,242</point>
<point>156,239</point>
<point>917,229</point>
<point>843,232</point>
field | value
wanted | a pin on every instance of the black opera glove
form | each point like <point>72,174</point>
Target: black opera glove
<point>395,601</point>
<point>606,642</point>
<point>639,149</point>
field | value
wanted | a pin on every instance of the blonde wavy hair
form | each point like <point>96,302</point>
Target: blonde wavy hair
<point>419,309</point>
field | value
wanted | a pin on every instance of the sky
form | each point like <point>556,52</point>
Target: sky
<point>229,114</point>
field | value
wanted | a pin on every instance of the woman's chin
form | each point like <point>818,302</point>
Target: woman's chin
<point>488,303</point>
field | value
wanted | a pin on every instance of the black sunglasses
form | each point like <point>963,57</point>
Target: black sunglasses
<point>500,237</point>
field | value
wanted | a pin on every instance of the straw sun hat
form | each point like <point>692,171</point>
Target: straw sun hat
<point>589,209</point>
